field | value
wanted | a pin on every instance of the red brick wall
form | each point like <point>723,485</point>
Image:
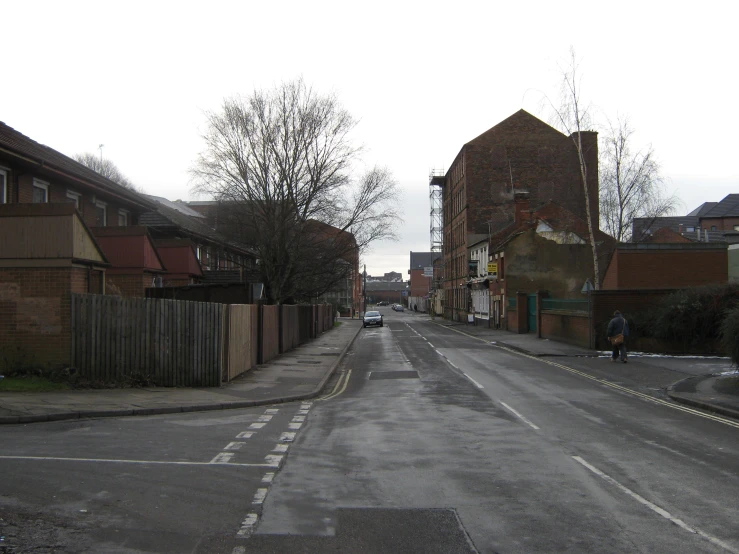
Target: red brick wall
<point>35,328</point>
<point>721,224</point>
<point>565,327</point>
<point>656,269</point>
<point>133,285</point>
<point>420,285</point>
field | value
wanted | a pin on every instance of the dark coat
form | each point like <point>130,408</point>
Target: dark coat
<point>618,325</point>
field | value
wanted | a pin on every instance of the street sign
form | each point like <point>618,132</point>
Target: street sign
<point>428,271</point>
<point>493,267</point>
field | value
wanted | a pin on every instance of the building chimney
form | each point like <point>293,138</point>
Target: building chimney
<point>705,234</point>
<point>521,201</point>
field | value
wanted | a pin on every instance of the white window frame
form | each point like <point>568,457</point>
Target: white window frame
<point>126,215</point>
<point>76,197</point>
<point>4,188</point>
<point>104,206</point>
<point>43,185</point>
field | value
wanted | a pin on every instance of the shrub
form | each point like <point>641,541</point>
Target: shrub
<point>693,316</point>
<point>730,334</point>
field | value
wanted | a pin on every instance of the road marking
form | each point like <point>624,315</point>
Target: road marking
<point>234,446</point>
<point>294,426</point>
<point>299,418</point>
<point>264,418</point>
<point>222,458</point>
<point>306,405</point>
<point>245,435</point>
<point>273,460</point>
<point>287,437</point>
<point>336,393</point>
<point>303,412</point>
<point>661,511</point>
<point>257,425</point>
<point>478,385</point>
<point>272,411</point>
<point>259,496</point>
<point>280,448</point>
<point>247,526</point>
<point>112,461</point>
<point>628,391</point>
<point>431,345</point>
<point>522,418</point>
<point>268,477</point>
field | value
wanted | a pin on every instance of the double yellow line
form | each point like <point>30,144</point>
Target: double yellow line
<point>339,388</point>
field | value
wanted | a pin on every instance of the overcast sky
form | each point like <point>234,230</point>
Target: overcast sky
<point>423,78</point>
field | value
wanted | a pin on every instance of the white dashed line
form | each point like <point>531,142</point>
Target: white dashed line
<point>280,448</point>
<point>234,446</point>
<point>306,406</point>
<point>245,435</point>
<point>264,418</point>
<point>287,437</point>
<point>294,426</point>
<point>247,526</point>
<point>268,477</point>
<point>526,421</point>
<point>478,385</point>
<point>272,411</point>
<point>257,425</point>
<point>664,513</point>
<point>222,458</point>
<point>259,496</point>
<point>273,460</point>
<point>299,418</point>
<point>302,412</point>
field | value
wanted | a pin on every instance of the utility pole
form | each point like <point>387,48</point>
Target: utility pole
<point>364,290</point>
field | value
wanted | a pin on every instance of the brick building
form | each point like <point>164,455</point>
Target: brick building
<point>421,278</point>
<point>520,153</point>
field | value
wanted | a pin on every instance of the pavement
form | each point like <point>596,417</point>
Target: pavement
<point>303,373</point>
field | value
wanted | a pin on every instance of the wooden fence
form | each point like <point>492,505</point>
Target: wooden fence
<point>166,342</point>
<point>179,343</point>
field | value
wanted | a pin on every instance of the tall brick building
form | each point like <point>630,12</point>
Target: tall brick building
<point>521,153</point>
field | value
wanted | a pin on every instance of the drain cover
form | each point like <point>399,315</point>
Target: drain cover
<point>374,375</point>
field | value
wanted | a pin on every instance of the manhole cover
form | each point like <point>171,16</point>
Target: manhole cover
<point>374,375</point>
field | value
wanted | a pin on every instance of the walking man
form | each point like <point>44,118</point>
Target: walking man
<point>618,330</point>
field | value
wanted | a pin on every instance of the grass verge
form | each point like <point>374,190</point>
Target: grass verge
<point>30,384</point>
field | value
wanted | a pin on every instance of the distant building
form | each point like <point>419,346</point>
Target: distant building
<point>421,278</point>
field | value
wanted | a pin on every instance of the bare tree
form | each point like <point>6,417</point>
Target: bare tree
<point>106,168</point>
<point>281,165</point>
<point>574,117</point>
<point>630,184</point>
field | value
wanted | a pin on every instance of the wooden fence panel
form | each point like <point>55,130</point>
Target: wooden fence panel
<point>270,347</point>
<point>169,342</point>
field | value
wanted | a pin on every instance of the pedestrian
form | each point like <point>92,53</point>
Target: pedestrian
<point>415,307</point>
<point>618,330</point>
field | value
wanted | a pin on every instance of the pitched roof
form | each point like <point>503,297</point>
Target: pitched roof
<point>703,208</point>
<point>19,145</point>
<point>519,120</point>
<point>728,207</point>
<point>423,259</point>
<point>164,217</point>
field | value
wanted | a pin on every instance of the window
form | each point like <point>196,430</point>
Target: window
<point>713,227</point>
<point>101,214</point>
<point>74,198</point>
<point>690,229</point>
<point>123,217</point>
<point>736,227</point>
<point>40,192</point>
<point>3,186</point>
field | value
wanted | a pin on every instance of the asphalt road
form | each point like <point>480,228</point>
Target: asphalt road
<point>531,455</point>
<point>426,441</point>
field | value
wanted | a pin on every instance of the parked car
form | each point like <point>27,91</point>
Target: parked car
<point>372,318</point>
<point>398,307</point>
<point>382,303</point>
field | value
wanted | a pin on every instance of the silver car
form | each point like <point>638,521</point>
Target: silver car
<point>372,318</point>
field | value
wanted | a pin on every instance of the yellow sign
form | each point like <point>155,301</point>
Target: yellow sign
<point>493,268</point>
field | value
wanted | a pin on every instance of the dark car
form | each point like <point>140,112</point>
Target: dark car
<point>372,318</point>
<point>398,307</point>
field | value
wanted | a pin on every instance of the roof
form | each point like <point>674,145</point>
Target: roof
<point>17,144</point>
<point>177,205</point>
<point>517,121</point>
<point>165,217</point>
<point>423,259</point>
<point>703,208</point>
<point>728,207</point>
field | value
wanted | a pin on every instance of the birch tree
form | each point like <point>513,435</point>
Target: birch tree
<point>284,168</point>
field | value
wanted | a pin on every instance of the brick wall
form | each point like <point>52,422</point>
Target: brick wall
<point>420,285</point>
<point>566,327</point>
<point>35,327</point>
<point>133,285</point>
<point>655,269</point>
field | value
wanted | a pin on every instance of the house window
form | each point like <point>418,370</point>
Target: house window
<point>101,214</point>
<point>736,227</point>
<point>690,229</point>
<point>3,186</point>
<point>123,217</point>
<point>74,198</point>
<point>713,227</point>
<point>40,192</point>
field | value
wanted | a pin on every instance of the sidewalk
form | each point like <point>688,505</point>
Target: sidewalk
<point>302,373</point>
<point>297,375</point>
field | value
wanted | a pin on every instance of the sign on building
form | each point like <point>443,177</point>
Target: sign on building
<point>493,267</point>
<point>428,271</point>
